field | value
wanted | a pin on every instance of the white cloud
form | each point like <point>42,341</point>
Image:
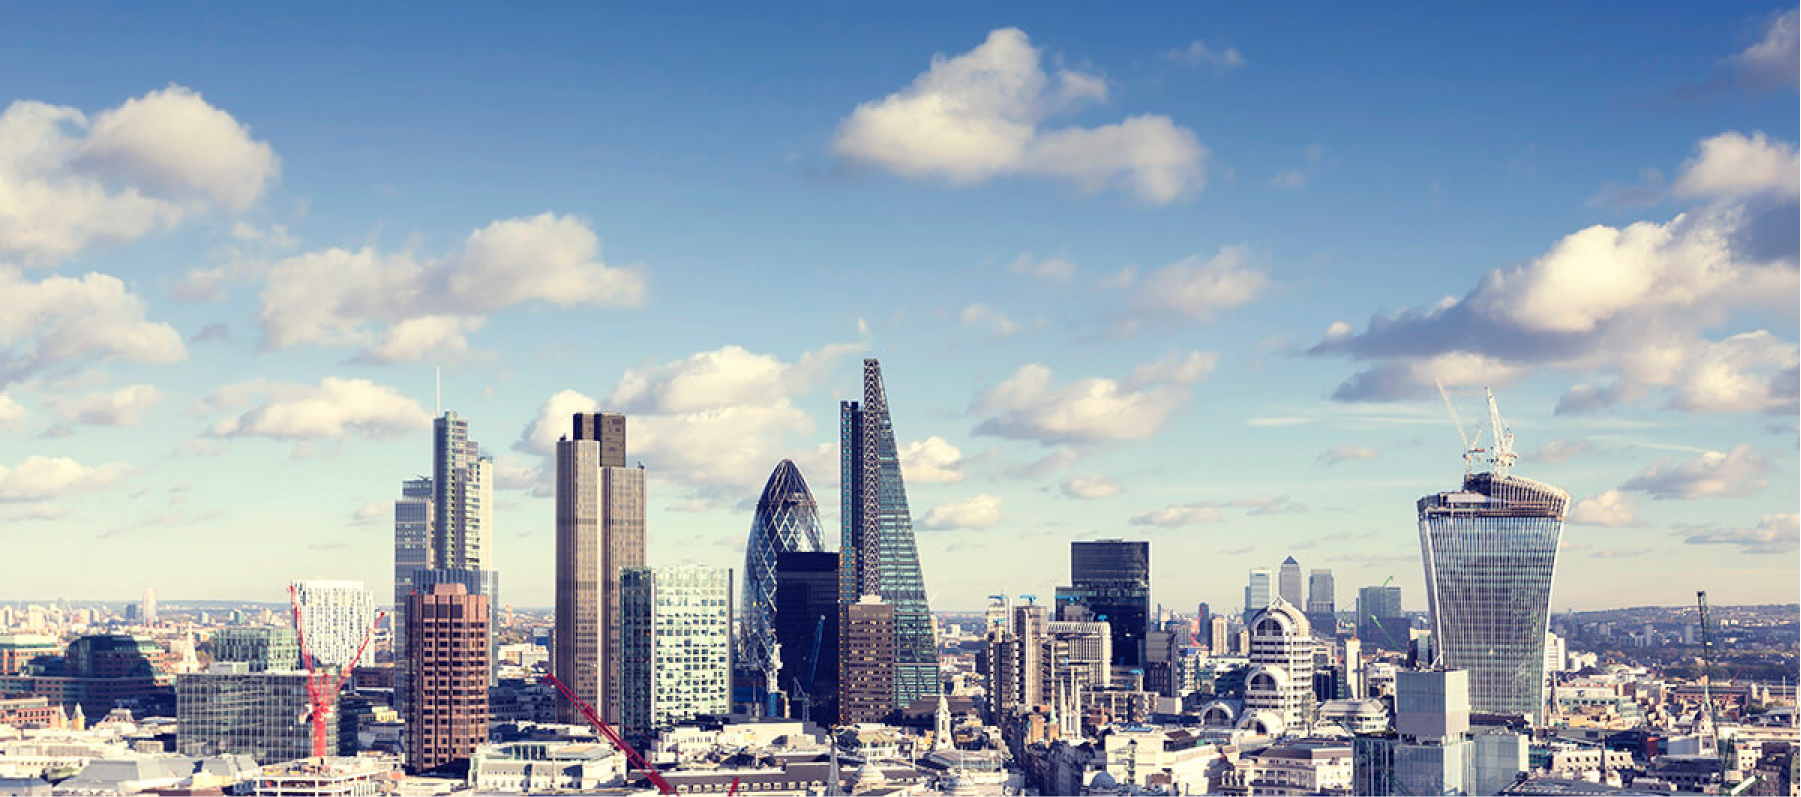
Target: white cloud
<point>729,376</point>
<point>66,183</point>
<point>40,477</point>
<point>985,319</point>
<point>1560,450</point>
<point>1179,515</point>
<point>12,414</point>
<point>1776,533</point>
<point>979,512</point>
<point>1055,269</point>
<point>63,320</point>
<point>931,461</point>
<point>1089,486</point>
<point>1027,406</point>
<point>553,422</point>
<point>1733,165</point>
<point>336,296</point>
<point>334,408</point>
<point>371,513</point>
<point>1339,454</point>
<point>1198,53</point>
<point>976,116</point>
<point>1771,61</point>
<point>123,407</point>
<point>1737,472</point>
<point>1612,509</point>
<point>1199,288</point>
<point>1177,369</point>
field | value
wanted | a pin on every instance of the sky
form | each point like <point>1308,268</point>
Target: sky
<point>1187,275</point>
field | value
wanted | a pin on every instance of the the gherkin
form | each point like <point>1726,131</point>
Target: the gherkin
<point>787,519</point>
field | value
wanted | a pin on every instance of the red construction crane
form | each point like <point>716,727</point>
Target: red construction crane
<point>323,685</point>
<point>631,755</point>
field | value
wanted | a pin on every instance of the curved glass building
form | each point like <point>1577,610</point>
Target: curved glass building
<point>787,520</point>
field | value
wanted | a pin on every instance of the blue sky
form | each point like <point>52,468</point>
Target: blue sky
<point>1184,276</point>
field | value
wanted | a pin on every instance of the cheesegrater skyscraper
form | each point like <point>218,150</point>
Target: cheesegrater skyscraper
<point>1490,551</point>
<point>878,555</point>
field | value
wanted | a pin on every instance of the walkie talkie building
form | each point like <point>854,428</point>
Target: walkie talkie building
<point>878,555</point>
<point>787,520</point>
<point>1490,552</point>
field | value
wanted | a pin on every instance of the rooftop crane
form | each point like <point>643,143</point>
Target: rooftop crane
<point>322,685</point>
<point>1471,445</point>
<point>1503,457</point>
<point>605,730</point>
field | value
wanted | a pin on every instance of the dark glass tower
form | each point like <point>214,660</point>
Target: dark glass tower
<point>806,626</point>
<point>1112,578</point>
<point>787,520</point>
<point>878,555</point>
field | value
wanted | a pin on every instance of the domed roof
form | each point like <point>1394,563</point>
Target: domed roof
<point>1293,620</point>
<point>1102,780</point>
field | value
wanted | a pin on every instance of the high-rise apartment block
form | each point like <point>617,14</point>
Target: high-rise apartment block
<point>1112,579</point>
<point>786,521</point>
<point>600,532</point>
<point>447,675</point>
<point>806,628</point>
<point>878,555</point>
<point>258,648</point>
<point>335,616</point>
<point>676,656</point>
<point>1219,638</point>
<point>866,667</point>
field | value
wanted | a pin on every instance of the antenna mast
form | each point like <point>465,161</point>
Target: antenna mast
<point>1503,457</point>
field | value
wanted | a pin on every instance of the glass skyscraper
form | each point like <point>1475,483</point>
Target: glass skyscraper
<point>787,520</point>
<point>878,555</point>
<point>1112,578</point>
<point>677,646</point>
<point>1490,551</point>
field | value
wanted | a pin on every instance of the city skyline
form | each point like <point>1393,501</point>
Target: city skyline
<point>224,371</point>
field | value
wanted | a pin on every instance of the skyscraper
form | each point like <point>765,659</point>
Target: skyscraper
<point>806,627</point>
<point>413,518</point>
<point>1112,579</point>
<point>1289,583</point>
<point>600,532</point>
<point>1278,688</point>
<point>676,655</point>
<point>462,499</point>
<point>866,681</point>
<point>1381,623</point>
<point>1490,551</point>
<point>149,606</point>
<point>334,616</point>
<point>1322,602</point>
<point>786,520</point>
<point>1258,593</point>
<point>447,675</point>
<point>878,555</point>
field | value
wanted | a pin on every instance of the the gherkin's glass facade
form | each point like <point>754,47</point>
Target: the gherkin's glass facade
<point>1490,552</point>
<point>878,555</point>
<point>787,519</point>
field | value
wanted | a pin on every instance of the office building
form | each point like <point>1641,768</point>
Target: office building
<point>866,665</point>
<point>1432,718</point>
<point>806,629</point>
<point>1278,688</point>
<point>1112,580</point>
<point>1258,593</point>
<point>1381,623</point>
<point>600,532</point>
<point>1219,637</point>
<point>1288,583</point>
<point>230,710</point>
<point>259,648</point>
<point>786,520</point>
<point>413,519</point>
<point>676,657</point>
<point>1490,550</point>
<point>1322,602</point>
<point>462,498</point>
<point>335,618</point>
<point>485,583</point>
<point>1077,656</point>
<point>447,675</point>
<point>878,555</point>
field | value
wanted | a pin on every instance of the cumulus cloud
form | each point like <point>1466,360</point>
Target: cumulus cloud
<point>979,512</point>
<point>59,321</point>
<point>1613,509</point>
<point>1636,302</point>
<point>1089,486</point>
<point>1199,288</point>
<point>340,297</point>
<point>1028,406</point>
<point>1177,369</point>
<point>931,461</point>
<point>1198,53</point>
<point>553,421</point>
<point>1771,62</point>
<point>1055,269</point>
<point>987,320</point>
<point>1333,456</point>
<point>1738,472</point>
<point>1178,516</point>
<point>67,183</point>
<point>1733,165</point>
<point>1777,533</point>
<point>980,115</point>
<point>40,477</point>
<point>123,407</point>
<point>334,408</point>
<point>372,513</point>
